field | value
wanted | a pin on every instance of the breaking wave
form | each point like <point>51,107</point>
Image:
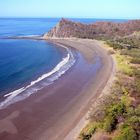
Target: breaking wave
<point>41,82</point>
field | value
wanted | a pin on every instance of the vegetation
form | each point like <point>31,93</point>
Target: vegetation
<point>110,123</point>
<point>121,111</point>
<point>88,131</point>
<point>98,30</point>
<point>126,133</point>
<point>123,65</point>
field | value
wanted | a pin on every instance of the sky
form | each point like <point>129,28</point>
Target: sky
<point>113,9</point>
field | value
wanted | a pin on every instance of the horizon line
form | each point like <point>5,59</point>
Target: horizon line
<point>74,18</point>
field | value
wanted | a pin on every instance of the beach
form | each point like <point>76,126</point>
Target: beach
<point>53,112</point>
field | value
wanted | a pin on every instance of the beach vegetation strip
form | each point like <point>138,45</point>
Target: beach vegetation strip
<point>117,117</point>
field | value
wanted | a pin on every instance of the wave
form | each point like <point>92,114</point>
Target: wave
<point>33,35</point>
<point>24,36</point>
<point>34,86</point>
<point>21,37</point>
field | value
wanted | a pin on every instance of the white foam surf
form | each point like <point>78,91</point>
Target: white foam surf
<point>51,76</point>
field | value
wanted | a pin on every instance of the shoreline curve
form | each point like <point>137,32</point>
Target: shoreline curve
<point>59,108</point>
<point>64,65</point>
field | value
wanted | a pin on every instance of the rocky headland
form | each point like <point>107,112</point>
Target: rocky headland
<point>98,30</point>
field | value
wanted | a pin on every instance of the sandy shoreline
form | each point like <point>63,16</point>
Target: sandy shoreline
<point>54,111</point>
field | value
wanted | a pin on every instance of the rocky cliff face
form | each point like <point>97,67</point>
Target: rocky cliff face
<point>66,28</point>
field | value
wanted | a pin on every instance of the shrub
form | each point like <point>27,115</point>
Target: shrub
<point>136,73</point>
<point>123,65</point>
<point>112,113</point>
<point>137,81</point>
<point>137,110</point>
<point>110,123</point>
<point>135,60</point>
<point>135,53</point>
<point>114,45</point>
<point>126,133</point>
<point>125,90</point>
<point>125,99</point>
<point>88,131</point>
<point>116,109</point>
<point>133,121</point>
<point>130,111</point>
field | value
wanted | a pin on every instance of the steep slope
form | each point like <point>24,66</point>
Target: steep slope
<point>66,28</point>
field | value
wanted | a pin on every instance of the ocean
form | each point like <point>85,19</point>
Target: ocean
<point>27,66</point>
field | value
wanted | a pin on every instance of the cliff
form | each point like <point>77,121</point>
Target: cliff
<point>66,28</point>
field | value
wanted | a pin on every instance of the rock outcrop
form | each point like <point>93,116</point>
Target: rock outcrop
<point>66,28</point>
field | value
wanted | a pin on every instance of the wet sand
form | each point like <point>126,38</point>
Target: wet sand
<point>53,112</point>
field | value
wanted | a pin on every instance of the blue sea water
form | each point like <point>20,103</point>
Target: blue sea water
<point>24,63</point>
<point>24,60</point>
<point>37,26</point>
<point>25,26</point>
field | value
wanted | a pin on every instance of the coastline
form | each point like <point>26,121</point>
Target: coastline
<point>94,102</point>
<point>75,132</point>
<point>77,104</point>
<point>29,88</point>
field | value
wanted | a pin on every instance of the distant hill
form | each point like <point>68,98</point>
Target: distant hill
<point>66,28</point>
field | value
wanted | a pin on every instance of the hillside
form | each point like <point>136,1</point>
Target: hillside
<point>67,28</point>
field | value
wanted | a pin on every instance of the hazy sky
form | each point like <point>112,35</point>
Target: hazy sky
<point>71,8</point>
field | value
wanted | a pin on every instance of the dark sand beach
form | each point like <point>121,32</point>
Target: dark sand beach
<point>53,112</point>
